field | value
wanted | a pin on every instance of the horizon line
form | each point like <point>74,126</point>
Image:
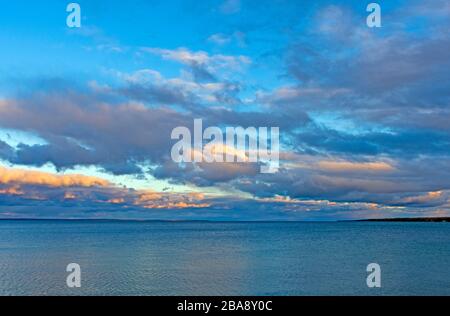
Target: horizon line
<point>396,219</point>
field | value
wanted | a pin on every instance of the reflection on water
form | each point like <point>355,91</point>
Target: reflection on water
<point>155,258</point>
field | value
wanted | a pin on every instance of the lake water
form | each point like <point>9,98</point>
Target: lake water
<point>200,258</point>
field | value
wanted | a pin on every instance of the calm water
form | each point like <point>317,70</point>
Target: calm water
<point>129,258</point>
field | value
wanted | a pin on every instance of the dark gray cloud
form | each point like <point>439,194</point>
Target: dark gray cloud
<point>395,78</point>
<point>399,143</point>
<point>205,174</point>
<point>84,130</point>
<point>6,151</point>
<point>81,130</point>
<point>155,94</point>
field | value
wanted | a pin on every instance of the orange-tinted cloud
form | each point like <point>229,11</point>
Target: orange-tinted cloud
<point>354,166</point>
<point>176,205</point>
<point>27,177</point>
<point>157,200</point>
<point>116,201</point>
<point>84,189</point>
<point>69,196</point>
<point>430,196</point>
<point>14,190</point>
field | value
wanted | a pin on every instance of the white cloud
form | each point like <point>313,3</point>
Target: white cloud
<point>219,39</point>
<point>230,6</point>
<point>187,57</point>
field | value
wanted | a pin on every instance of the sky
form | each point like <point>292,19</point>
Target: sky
<point>86,114</point>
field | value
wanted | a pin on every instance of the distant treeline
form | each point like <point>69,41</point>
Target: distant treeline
<point>417,219</point>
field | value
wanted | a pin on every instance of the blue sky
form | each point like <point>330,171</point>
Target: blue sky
<point>86,114</point>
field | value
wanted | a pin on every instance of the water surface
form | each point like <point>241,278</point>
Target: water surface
<point>201,258</point>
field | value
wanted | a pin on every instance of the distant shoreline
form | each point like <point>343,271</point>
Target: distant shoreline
<point>411,219</point>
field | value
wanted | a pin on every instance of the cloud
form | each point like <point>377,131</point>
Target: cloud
<point>436,198</point>
<point>219,39</point>
<point>128,138</point>
<point>363,115</point>
<point>20,186</point>
<point>87,128</point>
<point>335,21</point>
<point>150,86</point>
<point>154,200</point>
<point>230,6</point>
<point>203,66</point>
<point>83,130</point>
<point>22,200</point>
<point>205,174</point>
<point>12,190</point>
<point>6,151</point>
<point>346,166</point>
<point>294,95</point>
<point>394,77</point>
<point>394,141</point>
<point>438,8</point>
<point>69,196</point>
<point>27,177</point>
